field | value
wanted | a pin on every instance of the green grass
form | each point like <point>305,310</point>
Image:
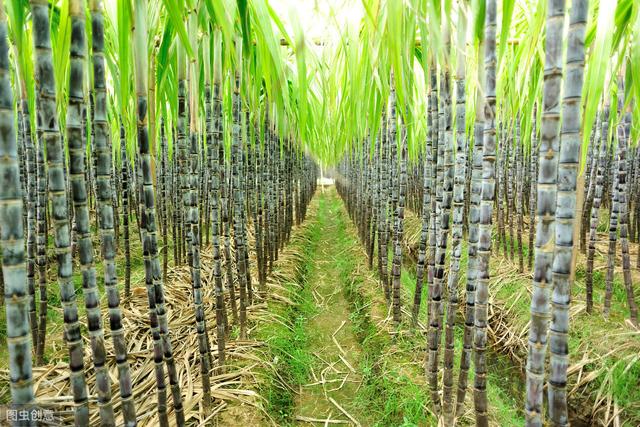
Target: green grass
<point>506,409</point>
<point>391,395</point>
<point>388,394</point>
<point>289,353</point>
<point>624,384</point>
<point>603,220</point>
<point>288,344</point>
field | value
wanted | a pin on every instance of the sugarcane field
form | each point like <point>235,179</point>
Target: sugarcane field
<point>320,212</point>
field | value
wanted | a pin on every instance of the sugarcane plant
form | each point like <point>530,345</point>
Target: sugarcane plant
<point>183,144</point>
<point>16,297</point>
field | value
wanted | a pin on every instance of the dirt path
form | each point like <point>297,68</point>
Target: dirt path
<point>338,359</point>
<point>335,377</point>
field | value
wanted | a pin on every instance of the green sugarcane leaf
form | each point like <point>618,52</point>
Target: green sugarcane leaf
<point>479,9</point>
<point>634,66</point>
<point>175,14</point>
<point>60,44</point>
<point>596,68</point>
<point>507,15</point>
<point>123,29</point>
<point>276,20</point>
<point>23,47</point>
<point>302,89</point>
<point>244,23</point>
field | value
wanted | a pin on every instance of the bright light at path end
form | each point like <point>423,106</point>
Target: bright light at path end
<point>321,20</point>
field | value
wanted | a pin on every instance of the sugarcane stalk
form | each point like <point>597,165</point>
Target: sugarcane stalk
<point>16,297</point>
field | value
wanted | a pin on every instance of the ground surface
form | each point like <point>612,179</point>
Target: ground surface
<point>322,349</point>
<point>344,359</point>
<point>334,378</point>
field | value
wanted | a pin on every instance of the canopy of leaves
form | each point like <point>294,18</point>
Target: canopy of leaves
<point>328,91</point>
